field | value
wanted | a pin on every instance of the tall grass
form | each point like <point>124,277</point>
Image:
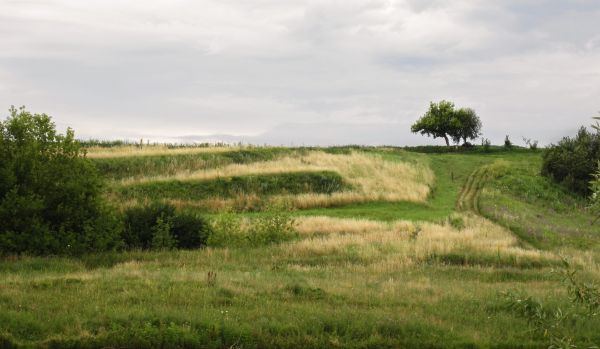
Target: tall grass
<point>99,152</point>
<point>477,242</point>
<point>371,177</point>
<point>263,185</point>
<point>174,162</point>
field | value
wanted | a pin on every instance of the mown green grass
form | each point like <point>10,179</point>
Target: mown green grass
<point>265,297</point>
<point>539,211</point>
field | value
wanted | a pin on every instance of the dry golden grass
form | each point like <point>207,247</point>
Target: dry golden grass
<point>371,176</point>
<point>151,150</point>
<point>411,242</point>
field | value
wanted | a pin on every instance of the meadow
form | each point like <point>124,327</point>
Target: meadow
<point>376,247</point>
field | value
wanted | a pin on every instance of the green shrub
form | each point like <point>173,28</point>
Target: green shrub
<point>326,182</point>
<point>229,230</point>
<point>162,238</point>
<point>456,222</point>
<point>50,194</point>
<point>507,143</point>
<point>573,161</point>
<point>141,224</point>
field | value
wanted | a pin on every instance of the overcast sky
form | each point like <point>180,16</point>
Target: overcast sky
<point>301,72</point>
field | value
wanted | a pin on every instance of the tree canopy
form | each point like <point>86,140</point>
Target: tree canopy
<point>442,120</point>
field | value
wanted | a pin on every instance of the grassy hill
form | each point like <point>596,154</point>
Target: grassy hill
<point>390,248</point>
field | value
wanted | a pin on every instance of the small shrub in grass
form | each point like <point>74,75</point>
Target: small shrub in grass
<point>143,224</point>
<point>555,324</point>
<point>226,231</point>
<point>507,143</point>
<point>229,230</point>
<point>271,228</point>
<point>456,221</point>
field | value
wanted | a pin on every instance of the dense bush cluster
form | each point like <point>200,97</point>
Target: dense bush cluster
<point>160,226</point>
<point>51,199</point>
<point>573,161</point>
<point>50,195</point>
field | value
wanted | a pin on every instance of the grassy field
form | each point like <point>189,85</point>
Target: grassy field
<point>391,249</point>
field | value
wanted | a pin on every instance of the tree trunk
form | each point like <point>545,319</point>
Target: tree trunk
<point>447,141</point>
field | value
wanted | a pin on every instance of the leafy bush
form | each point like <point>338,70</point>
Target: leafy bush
<point>573,161</point>
<point>154,226</point>
<point>595,187</point>
<point>507,143</point>
<point>162,238</point>
<point>231,231</point>
<point>50,194</point>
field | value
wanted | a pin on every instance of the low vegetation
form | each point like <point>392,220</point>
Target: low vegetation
<point>353,247</point>
<point>309,176</point>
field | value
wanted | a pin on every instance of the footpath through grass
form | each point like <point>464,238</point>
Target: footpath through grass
<point>452,171</point>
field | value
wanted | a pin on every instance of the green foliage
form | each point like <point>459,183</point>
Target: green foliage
<point>595,188</point>
<point>162,238</point>
<point>443,121</point>
<point>147,226</point>
<point>456,221</point>
<point>573,161</point>
<point>558,325</point>
<point>267,184</point>
<point>50,194</point>
<point>469,125</point>
<point>229,230</point>
<point>507,143</point>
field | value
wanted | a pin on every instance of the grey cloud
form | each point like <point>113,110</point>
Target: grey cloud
<point>326,72</point>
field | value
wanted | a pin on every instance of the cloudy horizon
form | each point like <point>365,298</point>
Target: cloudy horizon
<point>301,72</point>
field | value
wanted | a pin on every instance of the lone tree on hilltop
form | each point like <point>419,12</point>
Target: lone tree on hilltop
<point>443,121</point>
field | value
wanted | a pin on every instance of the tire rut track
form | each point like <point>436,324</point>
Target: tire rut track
<point>468,198</point>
